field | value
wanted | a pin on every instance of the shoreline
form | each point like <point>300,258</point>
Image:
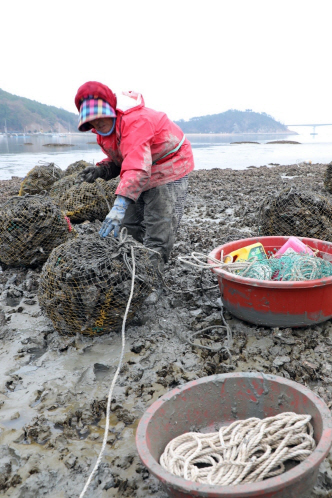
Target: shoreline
<point>289,132</point>
<point>246,133</point>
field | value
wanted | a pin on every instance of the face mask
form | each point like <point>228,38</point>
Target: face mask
<point>109,132</point>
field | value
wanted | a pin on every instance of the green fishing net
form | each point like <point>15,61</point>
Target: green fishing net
<point>289,267</point>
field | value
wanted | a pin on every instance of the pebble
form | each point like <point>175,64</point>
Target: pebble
<point>280,360</point>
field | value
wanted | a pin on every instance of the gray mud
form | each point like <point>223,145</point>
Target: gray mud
<point>53,389</point>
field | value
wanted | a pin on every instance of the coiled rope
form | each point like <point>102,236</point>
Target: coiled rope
<point>244,452</point>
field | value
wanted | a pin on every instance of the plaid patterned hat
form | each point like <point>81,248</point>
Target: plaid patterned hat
<point>93,108</point>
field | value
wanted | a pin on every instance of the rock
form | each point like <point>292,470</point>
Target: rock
<point>70,461</point>
<point>30,302</point>
<point>280,360</point>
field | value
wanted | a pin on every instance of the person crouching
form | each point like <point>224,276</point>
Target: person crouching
<point>152,157</point>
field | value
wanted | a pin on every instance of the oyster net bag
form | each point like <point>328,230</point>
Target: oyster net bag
<point>328,178</point>
<point>40,178</point>
<point>86,282</point>
<point>76,167</point>
<point>88,201</point>
<point>292,212</point>
<point>30,228</point>
<point>61,186</point>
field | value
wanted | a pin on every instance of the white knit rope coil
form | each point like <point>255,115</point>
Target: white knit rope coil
<point>246,451</point>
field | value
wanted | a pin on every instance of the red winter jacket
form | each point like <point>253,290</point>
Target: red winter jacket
<point>142,137</point>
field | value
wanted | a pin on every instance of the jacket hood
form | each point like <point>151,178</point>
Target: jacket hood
<point>98,90</point>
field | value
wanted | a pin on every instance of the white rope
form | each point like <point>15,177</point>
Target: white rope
<point>217,263</point>
<point>45,163</point>
<point>103,193</point>
<point>246,451</point>
<point>230,267</point>
<point>114,380</point>
<point>202,265</point>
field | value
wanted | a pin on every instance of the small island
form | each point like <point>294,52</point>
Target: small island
<point>234,122</point>
<point>58,145</point>
<point>283,142</point>
<point>243,142</point>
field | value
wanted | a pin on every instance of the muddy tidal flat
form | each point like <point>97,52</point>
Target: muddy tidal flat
<point>53,389</point>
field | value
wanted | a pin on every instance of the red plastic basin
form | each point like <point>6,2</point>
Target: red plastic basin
<point>272,303</point>
<point>207,404</point>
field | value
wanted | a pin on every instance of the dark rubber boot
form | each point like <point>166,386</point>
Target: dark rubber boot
<point>158,264</point>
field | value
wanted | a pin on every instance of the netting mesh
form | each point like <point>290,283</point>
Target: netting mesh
<point>88,201</point>
<point>76,167</point>
<point>292,212</point>
<point>85,284</point>
<point>61,186</point>
<point>328,178</point>
<point>30,227</point>
<point>289,267</point>
<point>40,178</point>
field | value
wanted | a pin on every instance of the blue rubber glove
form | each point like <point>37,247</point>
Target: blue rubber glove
<point>115,217</point>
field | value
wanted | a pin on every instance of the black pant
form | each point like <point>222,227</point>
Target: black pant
<point>155,217</point>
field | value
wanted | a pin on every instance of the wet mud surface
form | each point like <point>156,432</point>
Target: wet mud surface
<point>53,389</point>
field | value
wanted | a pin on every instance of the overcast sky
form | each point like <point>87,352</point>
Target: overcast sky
<point>187,57</point>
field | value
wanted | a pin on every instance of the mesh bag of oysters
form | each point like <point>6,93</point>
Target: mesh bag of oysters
<point>298,213</point>
<point>328,178</point>
<point>30,228</point>
<point>61,186</point>
<point>87,201</point>
<point>40,178</point>
<point>76,167</point>
<point>70,177</point>
<point>86,282</point>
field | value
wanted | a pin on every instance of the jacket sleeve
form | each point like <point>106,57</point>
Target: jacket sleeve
<point>137,159</point>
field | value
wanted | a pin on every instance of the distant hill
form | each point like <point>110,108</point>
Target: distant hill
<point>19,114</point>
<point>233,121</point>
<point>24,115</point>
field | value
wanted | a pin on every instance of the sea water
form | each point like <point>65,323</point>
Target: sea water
<point>18,154</point>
